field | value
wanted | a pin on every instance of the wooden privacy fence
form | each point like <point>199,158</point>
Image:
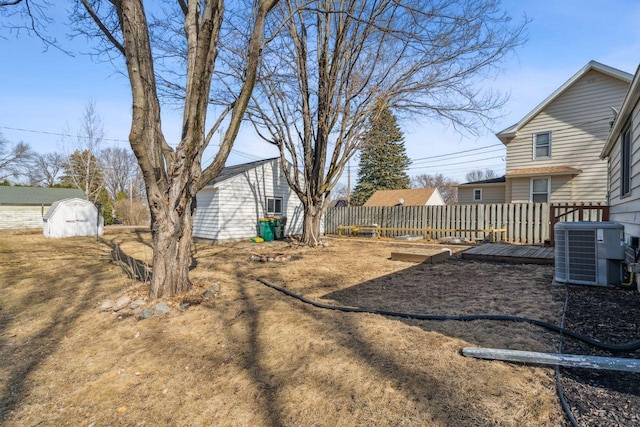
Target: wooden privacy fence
<point>510,222</point>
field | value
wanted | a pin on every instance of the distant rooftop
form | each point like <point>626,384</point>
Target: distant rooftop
<point>36,195</point>
<point>410,197</point>
<point>500,180</point>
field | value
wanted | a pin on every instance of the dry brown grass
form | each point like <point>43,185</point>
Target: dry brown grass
<point>254,357</point>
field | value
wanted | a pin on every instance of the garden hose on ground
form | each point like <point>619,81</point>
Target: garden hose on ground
<point>630,346</point>
<point>559,388</point>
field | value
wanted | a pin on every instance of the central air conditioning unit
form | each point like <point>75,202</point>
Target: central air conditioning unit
<point>589,253</point>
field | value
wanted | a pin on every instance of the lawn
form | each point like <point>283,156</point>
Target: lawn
<point>252,356</point>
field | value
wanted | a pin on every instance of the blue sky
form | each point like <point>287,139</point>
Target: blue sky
<point>44,93</point>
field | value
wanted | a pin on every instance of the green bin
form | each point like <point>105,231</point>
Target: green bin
<point>266,229</point>
<point>278,227</point>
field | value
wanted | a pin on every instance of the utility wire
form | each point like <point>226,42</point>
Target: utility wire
<point>238,152</point>
<point>59,134</point>
<point>458,152</point>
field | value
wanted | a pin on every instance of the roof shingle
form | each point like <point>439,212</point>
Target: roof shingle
<point>411,197</point>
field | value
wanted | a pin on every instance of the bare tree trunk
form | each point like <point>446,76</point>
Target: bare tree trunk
<point>173,176</point>
<point>312,220</point>
<point>171,228</point>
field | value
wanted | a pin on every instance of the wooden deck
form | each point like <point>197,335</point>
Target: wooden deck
<point>524,254</point>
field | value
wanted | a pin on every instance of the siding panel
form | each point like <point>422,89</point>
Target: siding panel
<point>579,124</point>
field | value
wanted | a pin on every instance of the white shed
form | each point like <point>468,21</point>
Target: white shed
<point>71,218</point>
<point>230,206</point>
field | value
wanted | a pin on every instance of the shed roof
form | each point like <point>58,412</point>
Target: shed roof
<point>231,171</point>
<point>72,201</point>
<point>36,196</point>
<point>411,197</point>
<point>507,134</point>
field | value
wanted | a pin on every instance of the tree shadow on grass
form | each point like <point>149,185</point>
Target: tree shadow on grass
<point>45,294</point>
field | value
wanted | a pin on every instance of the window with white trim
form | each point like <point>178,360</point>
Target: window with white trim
<point>625,164</point>
<point>540,190</point>
<point>477,194</point>
<point>542,145</point>
<point>274,205</point>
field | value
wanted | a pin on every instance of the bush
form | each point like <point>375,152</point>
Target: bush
<point>132,212</point>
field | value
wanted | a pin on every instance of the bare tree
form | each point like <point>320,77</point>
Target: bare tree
<point>28,16</point>
<point>479,175</point>
<point>446,186</point>
<point>335,64</point>
<point>83,168</point>
<point>45,169</point>
<point>174,175</point>
<point>13,158</point>
<point>119,170</point>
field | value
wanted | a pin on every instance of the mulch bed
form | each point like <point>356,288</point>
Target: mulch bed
<point>600,397</point>
<point>608,314</point>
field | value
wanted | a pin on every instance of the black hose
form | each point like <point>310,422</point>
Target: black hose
<point>631,346</point>
<point>559,388</point>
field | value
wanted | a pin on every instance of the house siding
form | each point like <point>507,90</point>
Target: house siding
<point>205,223</point>
<point>626,210</point>
<point>490,194</point>
<point>561,189</point>
<point>579,124</point>
<point>14,217</point>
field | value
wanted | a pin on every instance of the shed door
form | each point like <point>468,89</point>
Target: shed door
<point>78,222</point>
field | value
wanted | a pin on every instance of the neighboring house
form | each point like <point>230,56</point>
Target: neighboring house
<point>622,152</point>
<point>24,207</point>
<point>72,218</point>
<point>339,203</point>
<point>553,152</point>
<point>230,206</point>
<point>410,197</point>
<point>484,191</point>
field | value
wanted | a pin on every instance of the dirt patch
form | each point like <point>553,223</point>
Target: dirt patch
<point>253,356</point>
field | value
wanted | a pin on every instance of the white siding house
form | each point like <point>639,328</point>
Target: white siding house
<point>231,206</point>
<point>553,152</point>
<point>622,152</point>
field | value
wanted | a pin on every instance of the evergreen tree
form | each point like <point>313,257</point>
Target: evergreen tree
<point>106,207</point>
<point>82,170</point>
<point>383,159</point>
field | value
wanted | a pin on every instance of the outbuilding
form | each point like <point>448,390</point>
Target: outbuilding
<point>24,207</point>
<point>72,217</point>
<point>233,205</point>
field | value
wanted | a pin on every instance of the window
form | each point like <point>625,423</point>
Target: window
<point>477,194</point>
<point>625,164</point>
<point>540,190</point>
<point>542,145</point>
<point>274,205</point>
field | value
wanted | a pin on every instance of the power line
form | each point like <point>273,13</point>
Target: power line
<point>458,152</point>
<point>454,164</point>
<point>435,163</point>
<point>238,152</point>
<point>59,134</point>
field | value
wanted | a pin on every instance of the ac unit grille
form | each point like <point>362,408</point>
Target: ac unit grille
<point>589,253</point>
<point>582,255</point>
<point>561,255</point>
